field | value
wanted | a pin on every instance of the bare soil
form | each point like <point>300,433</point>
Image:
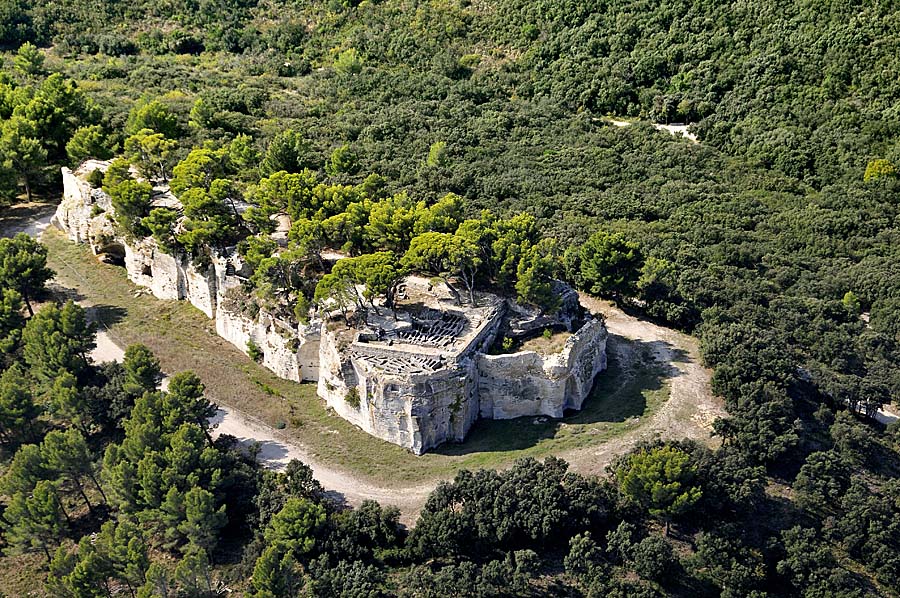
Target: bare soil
<point>691,408</point>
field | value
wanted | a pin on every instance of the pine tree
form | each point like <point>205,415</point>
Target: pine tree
<point>158,583</point>
<point>11,320</point>
<point>58,339</point>
<point>124,546</point>
<point>202,520</point>
<point>17,408</point>
<point>295,525</point>
<point>661,480</point>
<point>193,573</point>
<point>35,520</point>
<point>66,402</point>
<point>25,471</point>
<point>142,371</point>
<point>274,575</point>
<point>68,454</point>
<point>185,402</point>
<point>23,267</point>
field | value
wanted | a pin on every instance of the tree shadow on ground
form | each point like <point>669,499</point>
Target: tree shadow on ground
<point>106,315</point>
<point>21,217</point>
<point>619,397</point>
<point>60,293</point>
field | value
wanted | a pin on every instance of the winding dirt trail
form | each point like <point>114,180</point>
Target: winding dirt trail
<point>688,412</point>
<point>691,407</point>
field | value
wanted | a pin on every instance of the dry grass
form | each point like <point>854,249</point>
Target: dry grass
<point>184,338</point>
<point>546,346</point>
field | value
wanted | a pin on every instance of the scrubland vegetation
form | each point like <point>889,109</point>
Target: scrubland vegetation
<point>469,140</point>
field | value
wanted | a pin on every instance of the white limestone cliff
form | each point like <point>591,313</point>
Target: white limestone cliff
<point>528,383</point>
<point>415,396</point>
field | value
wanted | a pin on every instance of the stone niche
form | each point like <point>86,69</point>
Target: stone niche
<point>419,379</point>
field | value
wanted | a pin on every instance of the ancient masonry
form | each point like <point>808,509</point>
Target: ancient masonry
<point>416,378</point>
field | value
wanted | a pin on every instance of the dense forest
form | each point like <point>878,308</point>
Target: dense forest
<point>775,240</point>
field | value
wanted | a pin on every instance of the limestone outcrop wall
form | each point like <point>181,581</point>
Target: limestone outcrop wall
<point>85,214</point>
<point>416,399</point>
<point>416,410</point>
<point>528,383</point>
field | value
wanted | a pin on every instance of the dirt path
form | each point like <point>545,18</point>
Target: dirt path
<point>688,413</point>
<point>674,130</point>
<point>691,407</point>
<point>275,450</point>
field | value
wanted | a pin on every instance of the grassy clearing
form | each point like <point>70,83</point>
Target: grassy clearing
<point>184,338</point>
<point>546,345</point>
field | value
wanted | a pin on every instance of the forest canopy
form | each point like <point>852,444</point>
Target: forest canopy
<point>472,141</point>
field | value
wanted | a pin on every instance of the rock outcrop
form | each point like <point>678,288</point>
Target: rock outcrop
<point>528,383</point>
<point>417,378</point>
<point>85,214</point>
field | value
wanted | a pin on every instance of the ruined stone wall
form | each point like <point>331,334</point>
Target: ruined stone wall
<point>528,383</point>
<point>417,411</point>
<point>84,213</point>
<point>290,352</point>
<point>417,408</point>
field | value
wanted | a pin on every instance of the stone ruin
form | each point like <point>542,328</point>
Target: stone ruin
<point>417,378</point>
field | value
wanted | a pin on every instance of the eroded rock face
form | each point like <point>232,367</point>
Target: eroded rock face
<point>85,214</point>
<point>528,383</point>
<point>417,381</point>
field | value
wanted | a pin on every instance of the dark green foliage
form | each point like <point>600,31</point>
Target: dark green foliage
<point>22,155</point>
<point>253,351</point>
<point>17,408</point>
<point>501,578</point>
<point>152,115</point>
<point>142,372</point>
<point>607,264</point>
<point>11,320</point>
<point>95,178</point>
<point>296,481</point>
<point>661,480</point>
<point>88,142</point>
<point>57,339</point>
<point>23,267</point>
<point>295,525</point>
<point>275,574</point>
<point>584,554</point>
<point>483,510</point>
<point>653,559</point>
<point>161,224</point>
<point>34,521</point>
<point>811,567</point>
<point>132,201</point>
<point>774,239</point>
<point>289,152</point>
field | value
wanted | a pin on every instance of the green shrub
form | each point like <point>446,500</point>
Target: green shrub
<point>548,334</point>
<point>253,350</point>
<point>95,178</point>
<point>352,397</point>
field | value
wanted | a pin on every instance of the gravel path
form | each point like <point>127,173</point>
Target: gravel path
<point>688,412</point>
<point>691,407</point>
<point>276,451</point>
